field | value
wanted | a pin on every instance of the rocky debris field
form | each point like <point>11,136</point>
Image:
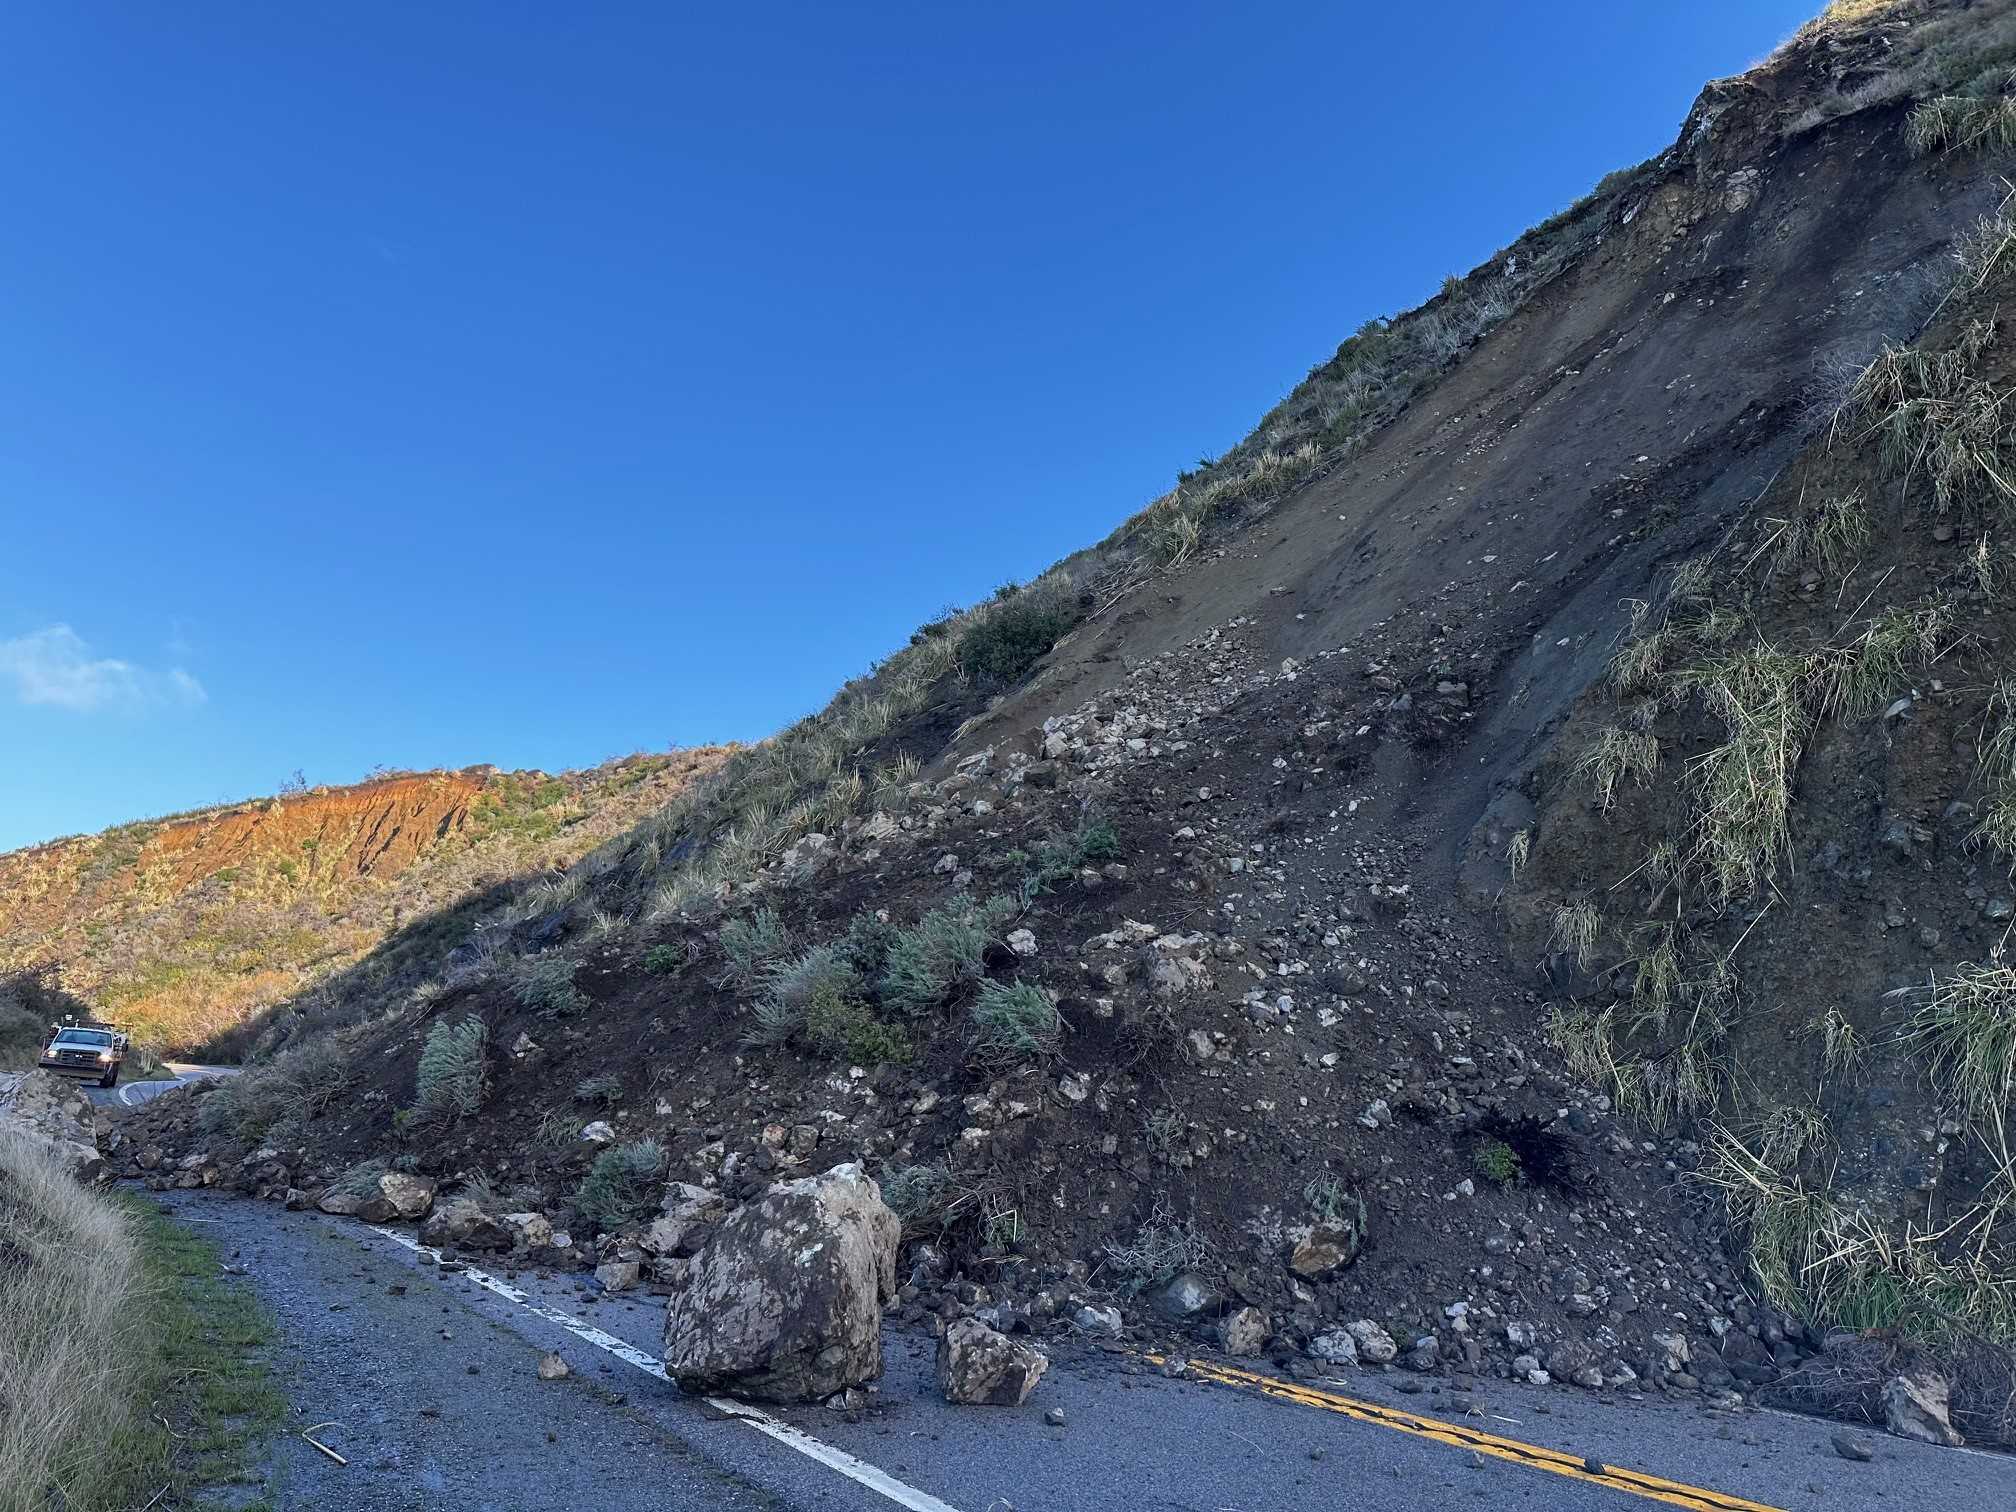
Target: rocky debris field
<point>1299,1113</point>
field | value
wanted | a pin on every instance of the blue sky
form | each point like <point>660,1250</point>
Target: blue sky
<point>424,385</point>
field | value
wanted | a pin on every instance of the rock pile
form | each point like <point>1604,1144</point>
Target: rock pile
<point>55,1115</point>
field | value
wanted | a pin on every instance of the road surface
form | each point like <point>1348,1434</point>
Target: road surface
<point>133,1093</point>
<point>431,1375</point>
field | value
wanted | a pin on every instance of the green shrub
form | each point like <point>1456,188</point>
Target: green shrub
<point>751,946</point>
<point>924,1197</point>
<point>789,988</point>
<point>625,1183</point>
<point>1003,643</point>
<point>606,1089</point>
<point>663,960</point>
<point>287,1092</point>
<point>361,1180</point>
<point>841,1025</point>
<point>1057,860</point>
<point>1014,1022</point>
<point>943,951</point>
<point>454,1070</point>
<point>545,984</point>
<point>868,941</point>
<point>1497,1161</point>
<point>557,1129</point>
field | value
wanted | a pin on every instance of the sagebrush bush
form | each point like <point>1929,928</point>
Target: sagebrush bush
<point>623,1185</point>
<point>790,987</point>
<point>943,951</point>
<point>924,1197</point>
<point>605,1089</point>
<point>289,1091</point>
<point>454,1070</point>
<point>361,1179</point>
<point>751,946</point>
<point>1014,1023</point>
<point>545,984</point>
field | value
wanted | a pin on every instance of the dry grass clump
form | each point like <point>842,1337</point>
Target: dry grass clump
<point>1175,524</point>
<point>1767,699</point>
<point>1744,786</point>
<point>1966,1026</point>
<point>1823,1260</point>
<point>70,1292</point>
<point>1843,1047</point>
<point>1829,535</point>
<point>1983,121</point>
<point>1935,419</point>
<point>1998,773</point>
<point>1574,930</point>
<point>1684,1070</point>
<point>1619,754</point>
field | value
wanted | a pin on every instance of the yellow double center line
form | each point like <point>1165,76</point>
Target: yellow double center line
<point>1533,1456</point>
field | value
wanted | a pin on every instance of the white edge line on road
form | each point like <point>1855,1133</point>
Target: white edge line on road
<point>858,1470</point>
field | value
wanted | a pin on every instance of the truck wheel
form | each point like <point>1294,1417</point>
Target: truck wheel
<point>110,1078</point>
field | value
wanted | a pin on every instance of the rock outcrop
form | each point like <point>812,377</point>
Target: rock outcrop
<point>53,1114</point>
<point>785,1302</point>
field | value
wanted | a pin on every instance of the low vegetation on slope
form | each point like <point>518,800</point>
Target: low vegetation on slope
<point>127,1373</point>
<point>1776,883</point>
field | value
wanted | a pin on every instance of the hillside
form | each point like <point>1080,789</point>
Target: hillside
<point>1513,856</point>
<point>183,928</point>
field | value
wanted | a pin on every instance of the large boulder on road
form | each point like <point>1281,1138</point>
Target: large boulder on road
<point>53,1115</point>
<point>463,1224</point>
<point>784,1304</point>
<point>412,1197</point>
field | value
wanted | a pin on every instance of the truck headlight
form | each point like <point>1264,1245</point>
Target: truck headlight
<point>104,1055</point>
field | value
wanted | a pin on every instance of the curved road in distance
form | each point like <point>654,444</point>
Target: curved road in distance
<point>133,1094</point>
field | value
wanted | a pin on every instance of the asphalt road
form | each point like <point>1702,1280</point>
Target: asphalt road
<point>130,1094</point>
<point>431,1379</point>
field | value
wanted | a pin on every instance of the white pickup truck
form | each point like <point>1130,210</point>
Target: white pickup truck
<point>79,1050</point>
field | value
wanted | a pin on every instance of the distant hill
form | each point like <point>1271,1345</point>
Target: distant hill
<point>183,927</point>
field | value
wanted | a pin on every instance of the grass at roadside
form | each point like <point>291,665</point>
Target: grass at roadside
<point>130,1373</point>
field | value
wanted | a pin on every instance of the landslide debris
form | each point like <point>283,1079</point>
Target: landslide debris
<point>1327,922</point>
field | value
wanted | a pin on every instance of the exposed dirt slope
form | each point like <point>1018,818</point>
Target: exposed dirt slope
<point>184,927</point>
<point>1154,930</point>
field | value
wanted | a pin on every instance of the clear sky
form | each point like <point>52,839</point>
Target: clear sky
<point>533,383</point>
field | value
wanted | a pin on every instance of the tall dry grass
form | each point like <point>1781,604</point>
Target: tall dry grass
<point>70,1289</point>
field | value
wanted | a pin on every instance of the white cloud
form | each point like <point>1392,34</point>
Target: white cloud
<point>54,667</point>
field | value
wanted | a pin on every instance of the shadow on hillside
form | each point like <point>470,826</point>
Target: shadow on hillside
<point>382,979</point>
<point>31,1001</point>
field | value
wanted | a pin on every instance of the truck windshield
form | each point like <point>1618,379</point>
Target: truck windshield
<point>95,1038</point>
